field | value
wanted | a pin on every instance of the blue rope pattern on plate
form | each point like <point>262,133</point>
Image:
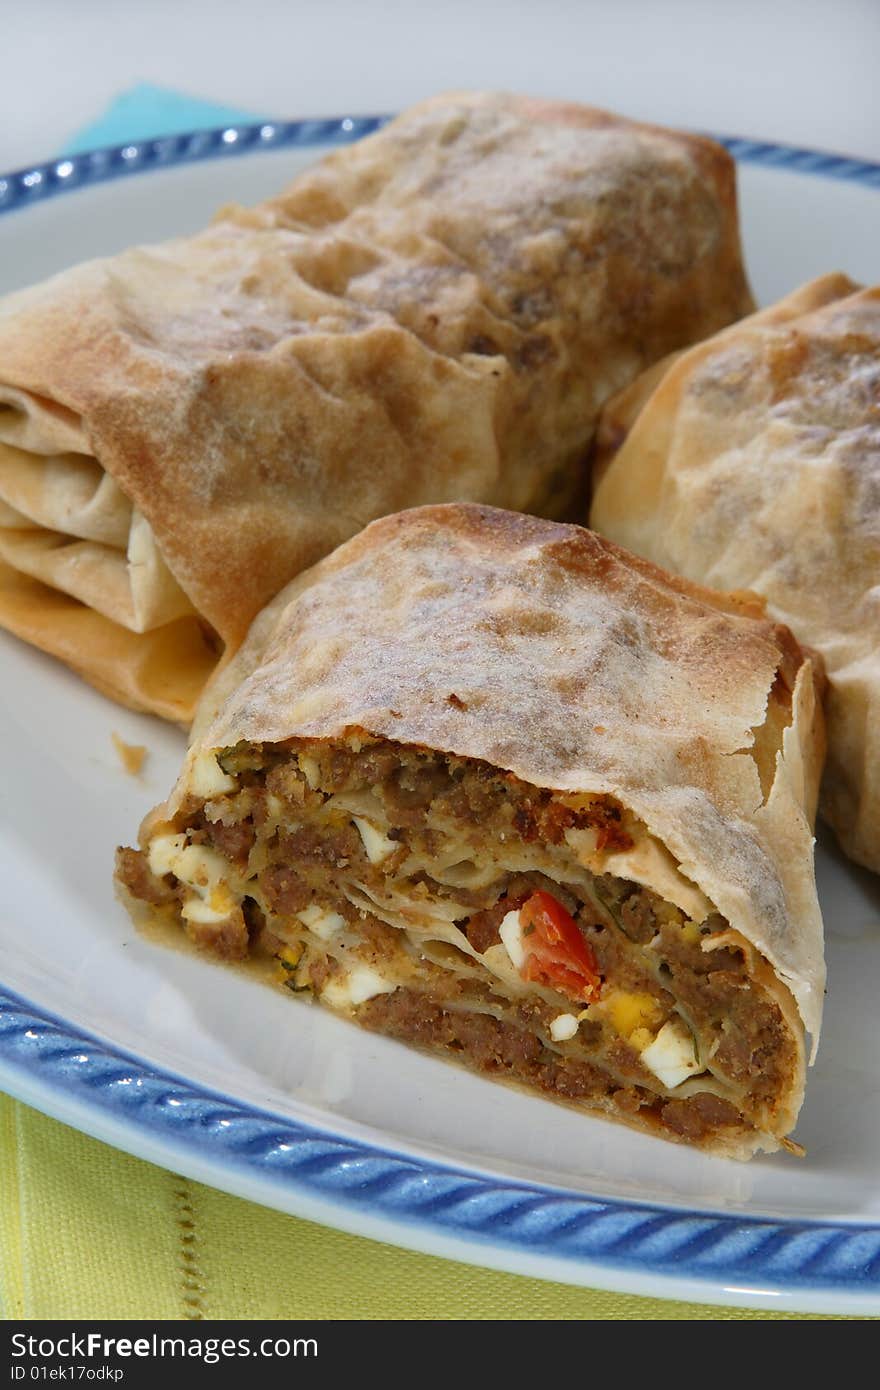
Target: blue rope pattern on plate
<point>26,186</point>
<point>774,1254</point>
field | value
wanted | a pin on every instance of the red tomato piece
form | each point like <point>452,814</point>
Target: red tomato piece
<point>556,953</point>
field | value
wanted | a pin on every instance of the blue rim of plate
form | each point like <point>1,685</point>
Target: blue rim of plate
<point>23,187</point>
<point>721,1253</point>
<point>760,1256</point>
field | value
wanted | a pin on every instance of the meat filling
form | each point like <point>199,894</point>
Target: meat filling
<point>446,903</point>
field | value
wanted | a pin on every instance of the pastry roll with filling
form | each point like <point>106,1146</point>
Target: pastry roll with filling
<point>491,786</point>
<point>432,314</point>
<point>753,461</point>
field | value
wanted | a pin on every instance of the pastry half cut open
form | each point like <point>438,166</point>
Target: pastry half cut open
<point>535,870</point>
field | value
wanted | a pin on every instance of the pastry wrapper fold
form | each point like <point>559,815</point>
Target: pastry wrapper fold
<point>185,427</point>
<point>752,461</point>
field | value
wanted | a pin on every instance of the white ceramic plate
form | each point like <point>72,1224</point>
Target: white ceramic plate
<point>204,1070</point>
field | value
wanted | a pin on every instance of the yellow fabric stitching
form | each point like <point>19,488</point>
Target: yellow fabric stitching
<point>92,1233</point>
<point>192,1282</point>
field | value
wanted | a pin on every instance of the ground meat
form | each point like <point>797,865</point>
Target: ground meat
<point>384,939</point>
<point>637,918</point>
<point>235,842</point>
<point>227,939</point>
<point>573,1079</point>
<point>699,1116</point>
<point>479,795</point>
<point>534,812</point>
<point>269,943</point>
<point>540,816</point>
<point>412,783</point>
<point>330,846</point>
<point>286,781</point>
<point>637,938</point>
<point>315,971</point>
<point>133,871</point>
<point>482,929</point>
<point>489,1044</point>
<point>546,820</point>
<point>258,799</point>
<point>629,905</point>
<point>684,955</point>
<point>757,1048</point>
<point>735,1056</point>
<point>411,791</point>
<point>497,1047</point>
<point>342,769</point>
<point>620,966</point>
<point>284,891</point>
<point>606,817</point>
<point>299,862</point>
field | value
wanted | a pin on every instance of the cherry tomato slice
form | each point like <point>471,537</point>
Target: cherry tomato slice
<point>556,953</point>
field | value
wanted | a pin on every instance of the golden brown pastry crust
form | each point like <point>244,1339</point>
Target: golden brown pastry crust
<point>408,322</point>
<point>755,462</point>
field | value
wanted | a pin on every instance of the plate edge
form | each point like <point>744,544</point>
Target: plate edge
<point>811,1264</point>
<point>35,182</point>
<point>828,1266</point>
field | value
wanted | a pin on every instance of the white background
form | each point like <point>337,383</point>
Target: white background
<point>803,71</point>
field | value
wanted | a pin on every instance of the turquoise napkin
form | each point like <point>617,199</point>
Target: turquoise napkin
<point>146,112</point>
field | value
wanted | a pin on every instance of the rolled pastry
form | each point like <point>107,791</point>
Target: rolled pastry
<point>434,313</point>
<point>493,787</point>
<point>753,461</point>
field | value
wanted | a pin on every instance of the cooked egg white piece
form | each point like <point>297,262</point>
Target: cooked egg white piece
<point>201,870</point>
<point>216,908</point>
<point>164,852</point>
<point>207,778</point>
<point>672,1056</point>
<point>195,865</point>
<point>563,1026</point>
<point>321,922</point>
<point>510,932</point>
<point>358,985</point>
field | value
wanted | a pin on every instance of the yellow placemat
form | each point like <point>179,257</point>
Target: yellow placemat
<point>87,1232</point>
